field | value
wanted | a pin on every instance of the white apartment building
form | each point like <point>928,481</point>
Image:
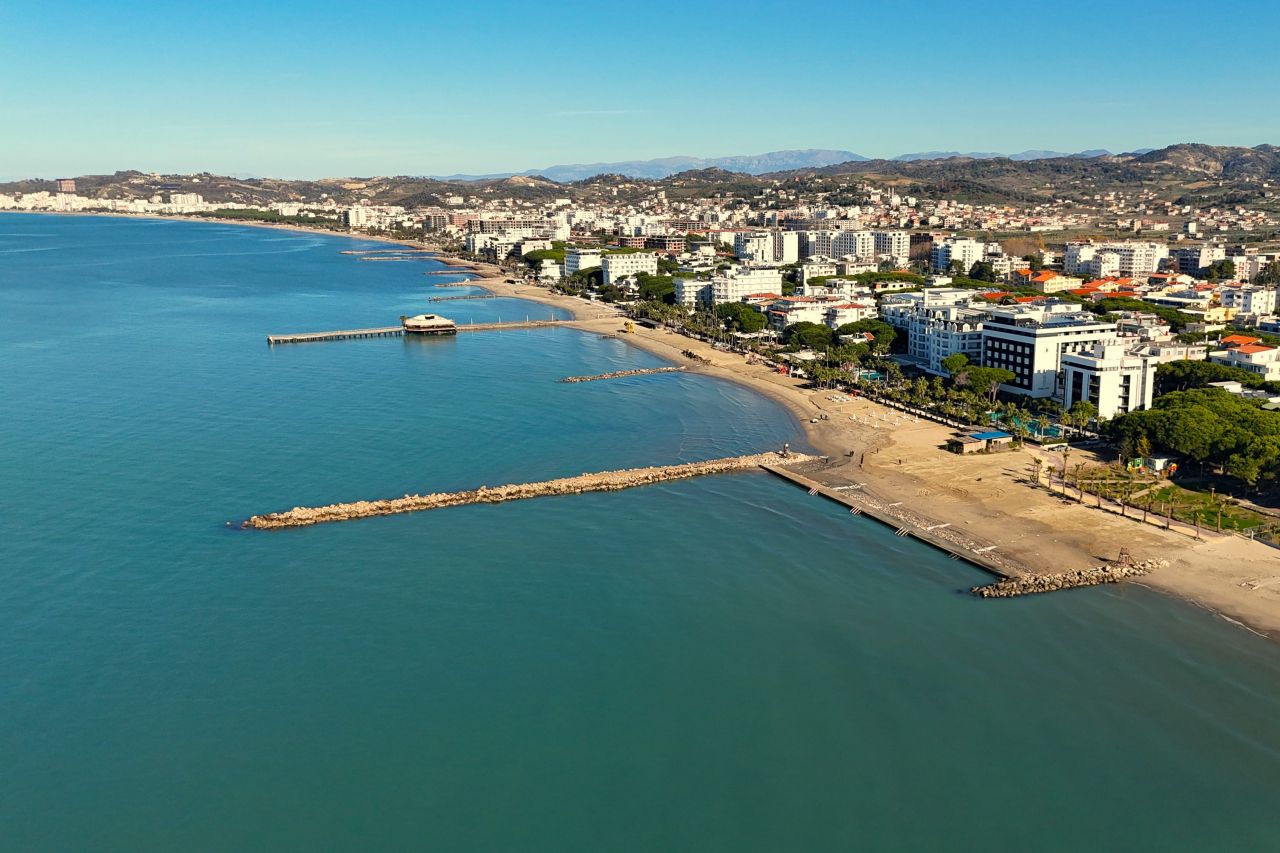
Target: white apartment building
<point>744,281</point>
<point>786,247</point>
<point>1030,341</point>
<point>1249,300</point>
<point>848,312</point>
<point>896,245</point>
<point>619,266</point>
<point>1255,358</point>
<point>1100,260</point>
<point>1115,380</point>
<point>815,267</point>
<point>693,292</point>
<point>753,246</point>
<point>1249,265</point>
<point>815,243</point>
<point>860,244</point>
<point>938,322</point>
<point>797,309</point>
<point>576,260</point>
<point>963,251</point>
<point>774,246</point>
<point>1191,259</point>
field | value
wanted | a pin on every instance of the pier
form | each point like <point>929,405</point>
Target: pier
<point>860,503</point>
<point>621,374</point>
<point>397,331</point>
<point>461,298</point>
<point>607,481</point>
<point>1012,581</point>
<point>340,335</point>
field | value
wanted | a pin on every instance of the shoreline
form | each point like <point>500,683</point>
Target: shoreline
<point>985,496</point>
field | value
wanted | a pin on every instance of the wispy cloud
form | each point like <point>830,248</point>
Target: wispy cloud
<point>596,112</point>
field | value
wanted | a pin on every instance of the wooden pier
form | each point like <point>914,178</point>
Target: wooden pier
<point>397,331</point>
<point>339,335</point>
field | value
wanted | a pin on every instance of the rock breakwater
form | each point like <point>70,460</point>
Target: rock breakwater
<point>619,374</point>
<point>1034,584</point>
<point>606,481</point>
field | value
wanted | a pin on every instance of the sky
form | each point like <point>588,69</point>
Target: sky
<point>323,89</point>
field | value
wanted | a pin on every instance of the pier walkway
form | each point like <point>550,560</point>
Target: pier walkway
<point>341,334</point>
<point>397,331</point>
<point>958,547</point>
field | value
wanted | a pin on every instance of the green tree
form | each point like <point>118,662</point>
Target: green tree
<point>808,335</point>
<point>982,271</point>
<point>740,317</point>
<point>1269,274</point>
<point>1219,270</point>
<point>1082,411</point>
<point>883,333</point>
<point>954,363</point>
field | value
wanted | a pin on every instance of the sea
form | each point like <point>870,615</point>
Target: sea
<point>722,664</point>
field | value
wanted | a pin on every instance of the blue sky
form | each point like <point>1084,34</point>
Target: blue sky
<point>315,89</point>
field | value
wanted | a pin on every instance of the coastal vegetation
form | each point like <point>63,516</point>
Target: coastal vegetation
<point>1235,436</point>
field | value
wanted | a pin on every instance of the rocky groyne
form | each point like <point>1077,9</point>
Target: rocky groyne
<point>1035,584</point>
<point>619,374</point>
<point>606,481</point>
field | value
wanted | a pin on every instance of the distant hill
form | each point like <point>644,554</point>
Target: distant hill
<point>1032,154</point>
<point>1190,173</point>
<point>1178,171</point>
<point>751,164</point>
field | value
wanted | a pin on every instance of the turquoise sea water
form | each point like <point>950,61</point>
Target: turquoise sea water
<point>719,664</point>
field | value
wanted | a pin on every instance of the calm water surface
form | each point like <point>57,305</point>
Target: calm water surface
<point>721,664</point>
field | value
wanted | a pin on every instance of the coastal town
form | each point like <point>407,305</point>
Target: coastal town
<point>1129,348</point>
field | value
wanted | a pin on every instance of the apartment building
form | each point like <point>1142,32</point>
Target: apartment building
<point>1099,260</point>
<point>963,251</point>
<point>1113,378</point>
<point>1030,341</point>
<point>1249,300</point>
<point>620,265</point>
<point>1255,358</point>
<point>1189,260</point>
<point>576,260</point>
<point>938,322</point>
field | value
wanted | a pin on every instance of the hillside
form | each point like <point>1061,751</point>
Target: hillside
<point>1190,173</point>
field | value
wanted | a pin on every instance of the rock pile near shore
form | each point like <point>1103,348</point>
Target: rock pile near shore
<point>606,481</point>
<point>619,374</point>
<point>1033,584</point>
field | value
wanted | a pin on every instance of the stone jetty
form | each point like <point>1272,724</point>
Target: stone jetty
<point>619,374</point>
<point>1033,584</point>
<point>606,481</point>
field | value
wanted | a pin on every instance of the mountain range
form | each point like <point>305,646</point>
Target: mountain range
<point>1187,173</point>
<point>751,164</point>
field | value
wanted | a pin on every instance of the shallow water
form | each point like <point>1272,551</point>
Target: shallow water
<point>717,664</point>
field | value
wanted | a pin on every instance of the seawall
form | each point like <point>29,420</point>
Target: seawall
<point>606,481</point>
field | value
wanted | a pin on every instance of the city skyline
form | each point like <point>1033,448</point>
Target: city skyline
<point>322,90</point>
